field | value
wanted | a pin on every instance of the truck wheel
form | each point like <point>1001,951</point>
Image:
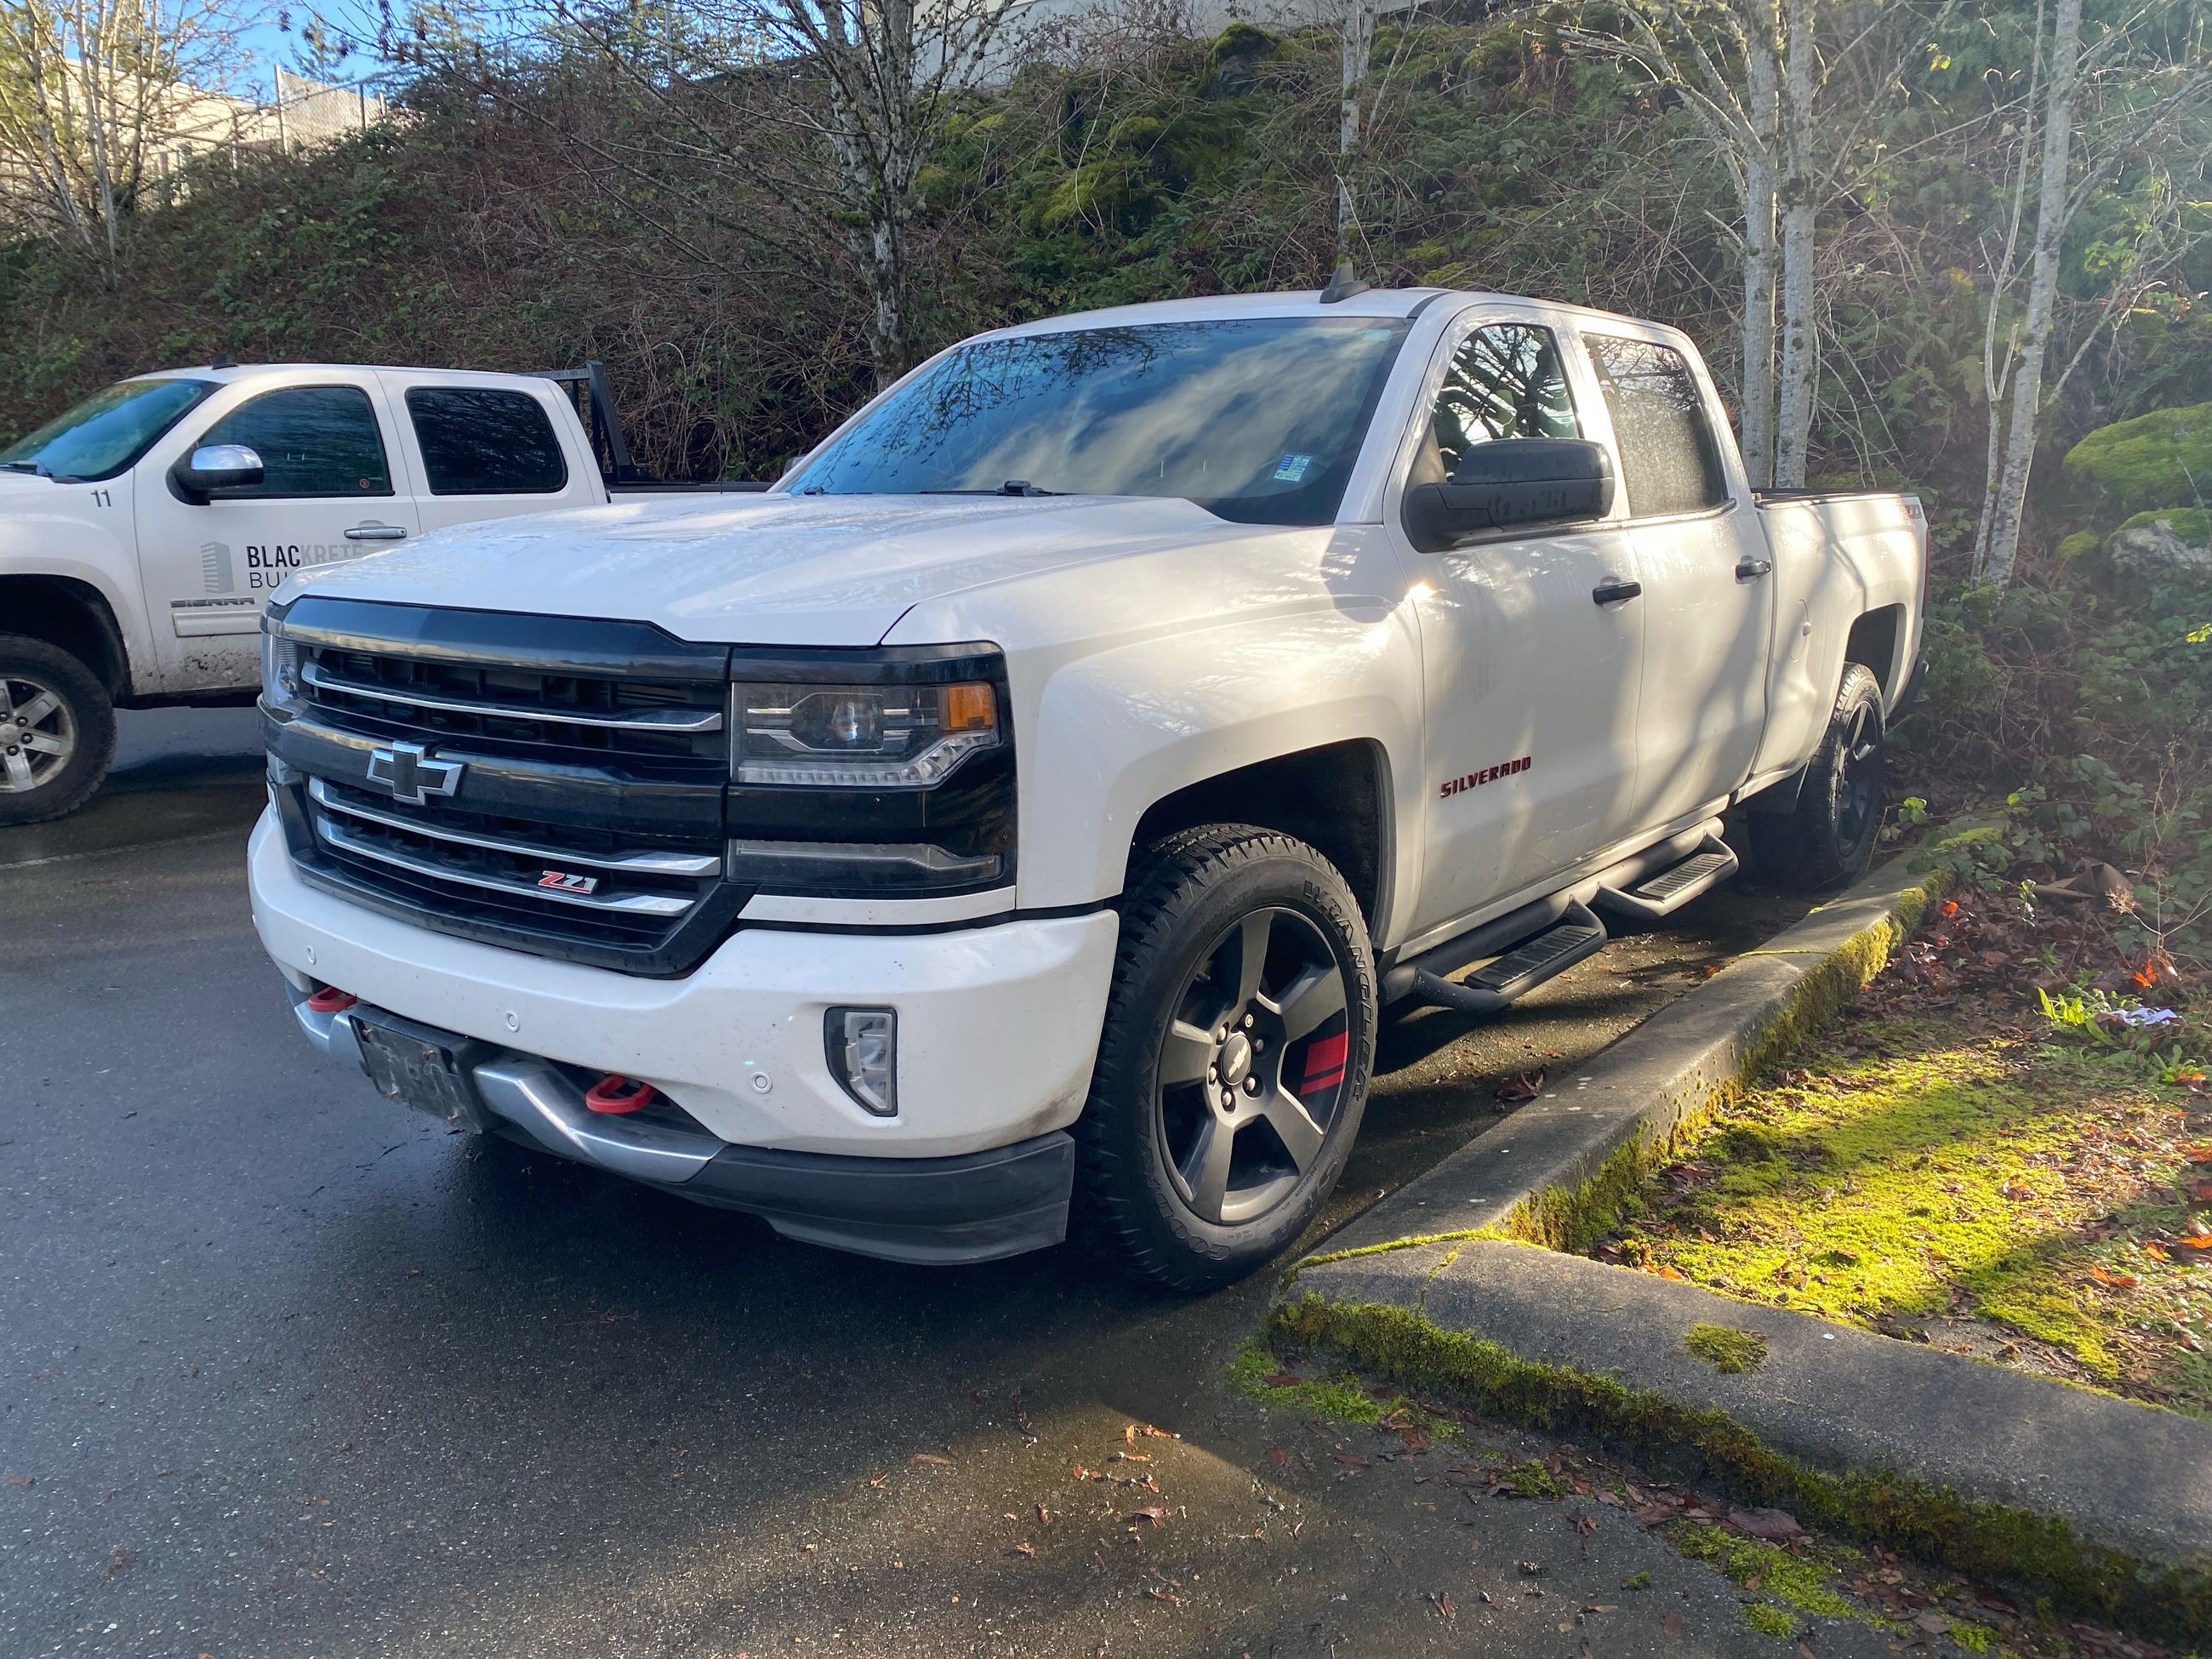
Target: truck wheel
<point>1827,841</point>
<point>57,731</point>
<point>1234,1064</point>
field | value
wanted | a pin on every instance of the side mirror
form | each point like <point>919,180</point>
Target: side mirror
<point>1511,483</point>
<point>214,468</point>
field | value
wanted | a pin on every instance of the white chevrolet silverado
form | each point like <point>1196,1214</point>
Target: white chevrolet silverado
<point>141,531</point>
<point>1018,821</point>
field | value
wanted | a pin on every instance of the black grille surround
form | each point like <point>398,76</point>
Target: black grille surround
<point>591,818</point>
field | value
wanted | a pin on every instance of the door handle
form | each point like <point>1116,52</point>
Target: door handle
<point>1752,570</point>
<point>376,532</point>
<point>1615,593</point>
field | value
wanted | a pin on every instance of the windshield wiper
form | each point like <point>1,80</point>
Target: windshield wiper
<point>38,467</point>
<point>1012,487</point>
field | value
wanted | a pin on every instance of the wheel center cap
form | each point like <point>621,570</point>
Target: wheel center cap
<point>1235,1058</point>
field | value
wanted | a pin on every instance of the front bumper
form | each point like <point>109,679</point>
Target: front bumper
<point>976,1207</point>
<point>998,1025</point>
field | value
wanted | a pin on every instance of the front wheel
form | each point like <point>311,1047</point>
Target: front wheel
<point>57,731</point>
<point>1826,840</point>
<point>1234,1064</point>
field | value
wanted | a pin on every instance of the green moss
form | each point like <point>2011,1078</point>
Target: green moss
<point>2151,461</point>
<point>2192,525</point>
<point>2080,544</point>
<point>1340,1398</point>
<point>1770,1621</point>
<point>1975,1638</point>
<point>1931,1182</point>
<point>1806,1582</point>
<point>1636,1580</point>
<point>1725,1348</point>
<point>1532,1479</point>
<point>1900,1511</point>
<point>1571,1219</point>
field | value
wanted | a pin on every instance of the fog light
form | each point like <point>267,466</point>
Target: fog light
<point>862,1044</point>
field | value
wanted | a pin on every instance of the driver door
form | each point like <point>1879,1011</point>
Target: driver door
<point>330,490</point>
<point>1531,679</point>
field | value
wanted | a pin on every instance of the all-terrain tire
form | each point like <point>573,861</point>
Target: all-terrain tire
<point>1189,897</point>
<point>35,782</point>
<point>1828,840</point>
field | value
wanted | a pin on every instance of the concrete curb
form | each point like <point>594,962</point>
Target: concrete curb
<point>2104,1505</point>
<point>1555,1171</point>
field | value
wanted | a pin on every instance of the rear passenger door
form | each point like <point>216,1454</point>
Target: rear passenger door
<point>486,451</point>
<point>1531,682</point>
<point>1707,608</point>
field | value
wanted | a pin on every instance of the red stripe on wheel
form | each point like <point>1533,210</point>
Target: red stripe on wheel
<point>1325,1059</point>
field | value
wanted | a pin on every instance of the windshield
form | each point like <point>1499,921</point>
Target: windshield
<point>107,432</point>
<point>1257,419</point>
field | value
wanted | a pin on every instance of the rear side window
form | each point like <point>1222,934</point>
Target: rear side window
<point>1668,461</point>
<point>313,440</point>
<point>480,442</point>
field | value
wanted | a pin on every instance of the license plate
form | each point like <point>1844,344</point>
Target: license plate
<point>426,1076</point>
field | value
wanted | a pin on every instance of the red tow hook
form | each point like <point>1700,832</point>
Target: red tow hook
<point>615,1094</point>
<point>331,1001</point>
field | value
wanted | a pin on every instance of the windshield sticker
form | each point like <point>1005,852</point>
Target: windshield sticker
<point>1291,469</point>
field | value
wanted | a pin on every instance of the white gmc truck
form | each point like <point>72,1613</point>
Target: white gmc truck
<point>1018,819</point>
<point>141,531</point>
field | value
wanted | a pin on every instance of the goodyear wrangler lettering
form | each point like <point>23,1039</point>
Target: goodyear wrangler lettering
<point>1488,775</point>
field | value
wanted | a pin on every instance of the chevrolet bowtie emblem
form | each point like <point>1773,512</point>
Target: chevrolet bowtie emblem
<point>413,777</point>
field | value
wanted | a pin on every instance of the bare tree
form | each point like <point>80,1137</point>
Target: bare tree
<point>1357,44</point>
<point>1797,193</point>
<point>1754,75</point>
<point>2021,361</point>
<point>91,91</point>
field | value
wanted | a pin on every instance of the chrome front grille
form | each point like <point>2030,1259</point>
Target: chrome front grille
<point>519,710</point>
<point>549,784</point>
<point>628,881</point>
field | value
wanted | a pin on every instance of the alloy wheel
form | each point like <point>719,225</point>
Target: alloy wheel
<point>38,733</point>
<point>1252,1067</point>
<point>1856,805</point>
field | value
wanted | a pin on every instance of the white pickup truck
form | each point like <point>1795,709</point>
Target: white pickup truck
<point>141,531</point>
<point>1019,818</point>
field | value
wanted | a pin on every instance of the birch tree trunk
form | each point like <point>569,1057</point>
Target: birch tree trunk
<point>1797,375</point>
<point>2000,539</point>
<point>1358,40</point>
<point>1762,75</point>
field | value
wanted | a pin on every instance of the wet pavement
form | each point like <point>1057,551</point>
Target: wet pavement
<point>286,1370</point>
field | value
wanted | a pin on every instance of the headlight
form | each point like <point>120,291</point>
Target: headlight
<point>862,737</point>
<point>280,671</point>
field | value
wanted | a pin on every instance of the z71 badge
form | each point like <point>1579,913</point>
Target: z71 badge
<point>562,881</point>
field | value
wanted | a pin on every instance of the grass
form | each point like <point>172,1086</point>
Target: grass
<point>2029,1196</point>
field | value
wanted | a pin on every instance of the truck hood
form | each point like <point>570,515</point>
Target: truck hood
<point>763,569</point>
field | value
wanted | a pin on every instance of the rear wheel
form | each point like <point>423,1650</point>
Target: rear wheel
<point>57,731</point>
<point>1827,841</point>
<point>1234,1064</point>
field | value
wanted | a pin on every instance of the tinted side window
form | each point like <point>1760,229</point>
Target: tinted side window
<point>486,443</point>
<point>1503,382</point>
<point>313,440</point>
<point>1668,460</point>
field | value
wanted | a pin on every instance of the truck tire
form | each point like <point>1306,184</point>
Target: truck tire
<point>57,731</point>
<point>1827,841</point>
<point>1235,1062</point>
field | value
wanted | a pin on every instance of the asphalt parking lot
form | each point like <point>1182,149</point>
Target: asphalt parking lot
<point>285,1370</point>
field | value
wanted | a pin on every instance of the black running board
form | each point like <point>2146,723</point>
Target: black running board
<point>1662,895</point>
<point>1575,936</point>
